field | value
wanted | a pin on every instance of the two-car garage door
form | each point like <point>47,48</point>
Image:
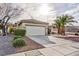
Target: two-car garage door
<point>35,30</point>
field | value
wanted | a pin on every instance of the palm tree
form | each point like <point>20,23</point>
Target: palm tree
<point>61,21</point>
<point>57,23</point>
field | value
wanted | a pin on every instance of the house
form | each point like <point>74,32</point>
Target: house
<point>70,30</point>
<point>34,27</point>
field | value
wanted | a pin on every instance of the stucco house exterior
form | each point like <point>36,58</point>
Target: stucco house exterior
<point>70,30</point>
<point>34,27</point>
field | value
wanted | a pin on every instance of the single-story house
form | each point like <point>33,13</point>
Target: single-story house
<point>70,30</point>
<point>34,27</point>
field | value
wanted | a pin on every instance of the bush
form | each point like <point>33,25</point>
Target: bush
<point>16,37</point>
<point>18,42</point>
<point>11,30</point>
<point>1,26</point>
<point>20,32</point>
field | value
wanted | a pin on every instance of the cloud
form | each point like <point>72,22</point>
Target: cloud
<point>72,11</point>
<point>75,13</point>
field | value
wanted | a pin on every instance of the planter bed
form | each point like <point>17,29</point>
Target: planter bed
<point>30,45</point>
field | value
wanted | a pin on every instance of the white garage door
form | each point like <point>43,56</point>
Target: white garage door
<point>34,30</point>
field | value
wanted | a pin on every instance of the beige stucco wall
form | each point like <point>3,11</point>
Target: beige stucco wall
<point>24,25</point>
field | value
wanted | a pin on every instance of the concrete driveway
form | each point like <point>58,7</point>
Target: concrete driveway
<point>41,39</point>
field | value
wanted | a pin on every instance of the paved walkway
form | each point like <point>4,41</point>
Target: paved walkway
<point>61,48</point>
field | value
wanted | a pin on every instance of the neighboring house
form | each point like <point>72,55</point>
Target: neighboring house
<point>72,28</point>
<point>34,27</point>
<point>68,29</point>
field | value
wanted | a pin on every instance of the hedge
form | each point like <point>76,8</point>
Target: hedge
<point>19,32</point>
<point>18,42</point>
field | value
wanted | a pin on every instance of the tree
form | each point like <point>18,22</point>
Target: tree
<point>61,21</point>
<point>7,12</point>
<point>57,23</point>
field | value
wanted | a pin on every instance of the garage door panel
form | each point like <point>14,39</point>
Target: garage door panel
<point>34,30</point>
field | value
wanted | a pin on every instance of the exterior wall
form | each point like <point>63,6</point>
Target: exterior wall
<point>24,25</point>
<point>53,30</point>
<point>31,24</point>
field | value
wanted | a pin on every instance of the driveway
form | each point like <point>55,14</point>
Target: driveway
<point>41,39</point>
<point>6,45</point>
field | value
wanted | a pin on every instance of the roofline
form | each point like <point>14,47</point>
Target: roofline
<point>33,21</point>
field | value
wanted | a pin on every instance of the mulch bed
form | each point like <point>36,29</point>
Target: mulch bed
<point>30,45</point>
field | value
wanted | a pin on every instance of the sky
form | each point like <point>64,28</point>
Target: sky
<point>48,12</point>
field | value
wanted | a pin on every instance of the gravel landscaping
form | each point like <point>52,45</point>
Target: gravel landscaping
<point>6,47</point>
<point>30,45</point>
<point>72,37</point>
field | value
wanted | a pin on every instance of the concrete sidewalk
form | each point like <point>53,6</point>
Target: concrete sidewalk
<point>60,50</point>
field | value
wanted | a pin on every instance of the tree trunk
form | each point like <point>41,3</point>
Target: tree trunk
<point>59,30</point>
<point>4,25</point>
<point>62,30</point>
<point>4,30</point>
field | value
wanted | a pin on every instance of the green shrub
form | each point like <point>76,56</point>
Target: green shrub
<point>16,37</point>
<point>1,26</point>
<point>11,30</point>
<point>20,32</point>
<point>18,42</point>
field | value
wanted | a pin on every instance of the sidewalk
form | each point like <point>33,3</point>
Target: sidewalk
<point>60,50</point>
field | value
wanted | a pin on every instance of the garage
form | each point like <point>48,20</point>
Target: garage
<point>35,30</point>
<point>34,27</point>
